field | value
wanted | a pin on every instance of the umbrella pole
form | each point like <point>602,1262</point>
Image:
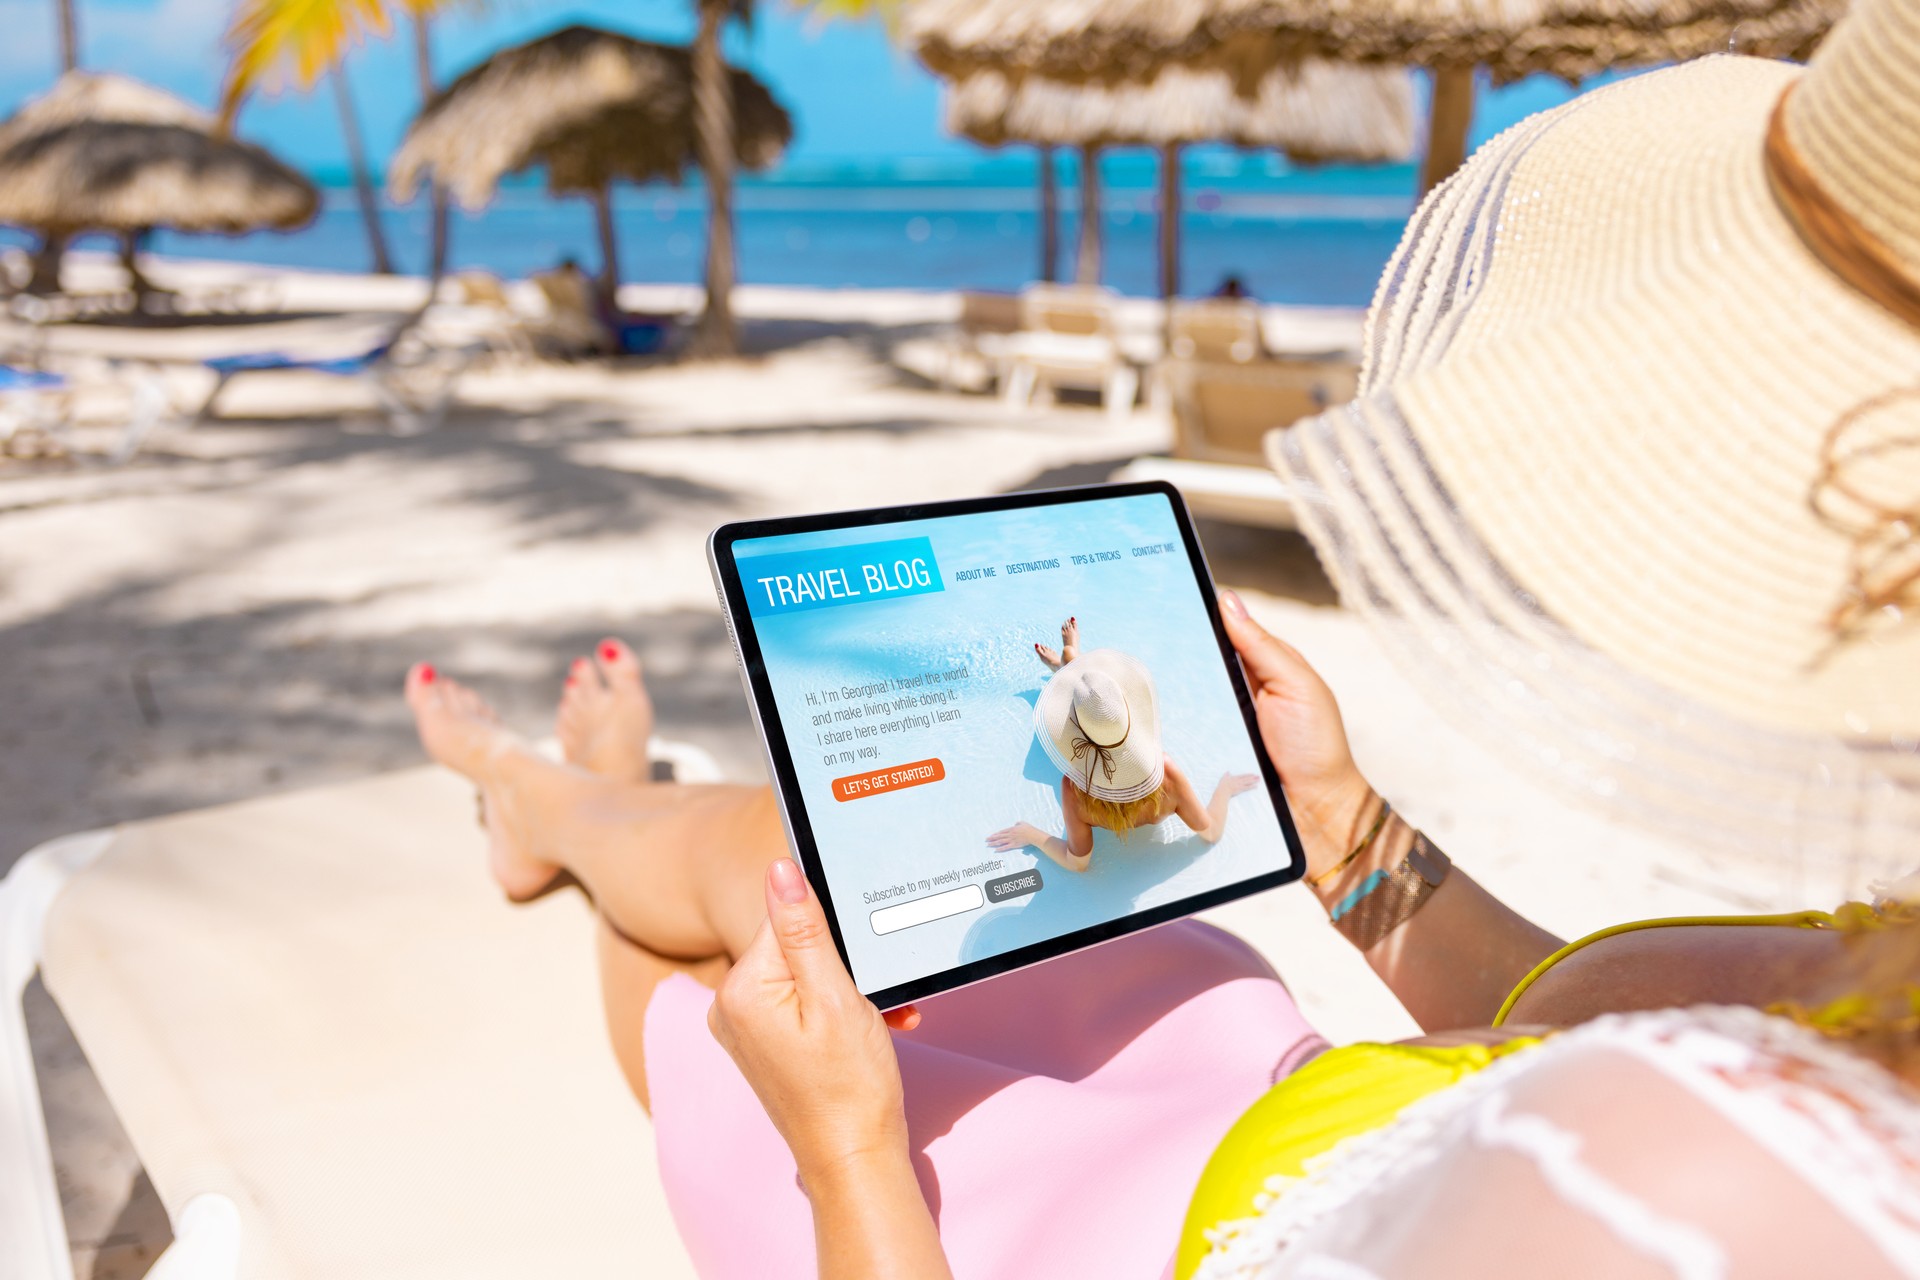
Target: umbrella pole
<point>130,263</point>
<point>609,249</point>
<point>1049,217</point>
<point>46,262</point>
<point>1169,225</point>
<point>1089,266</point>
<point>1447,124</point>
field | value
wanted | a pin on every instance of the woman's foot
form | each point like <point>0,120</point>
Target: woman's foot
<point>606,718</point>
<point>460,731</point>
<point>1069,646</point>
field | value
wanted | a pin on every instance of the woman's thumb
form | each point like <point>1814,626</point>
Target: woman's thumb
<point>1267,658</point>
<point>800,926</point>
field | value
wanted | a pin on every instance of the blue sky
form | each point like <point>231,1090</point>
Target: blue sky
<point>853,95</point>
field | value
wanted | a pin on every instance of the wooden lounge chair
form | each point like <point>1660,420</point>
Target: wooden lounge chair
<point>1219,330</point>
<point>337,1051</point>
<point>1222,412</point>
<point>1067,340</point>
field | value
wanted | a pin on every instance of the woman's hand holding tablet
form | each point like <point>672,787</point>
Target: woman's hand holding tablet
<point>1001,729</point>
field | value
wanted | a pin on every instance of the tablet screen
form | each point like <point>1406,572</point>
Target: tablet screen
<point>934,681</point>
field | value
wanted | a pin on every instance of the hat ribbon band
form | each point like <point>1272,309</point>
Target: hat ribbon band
<point>1841,241</point>
<point>1883,568</point>
<point>1102,752</point>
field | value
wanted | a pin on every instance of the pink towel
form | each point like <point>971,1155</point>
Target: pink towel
<point>1059,1116</point>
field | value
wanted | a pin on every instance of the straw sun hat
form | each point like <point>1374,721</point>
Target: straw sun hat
<point>1633,481</point>
<point>1098,720</point>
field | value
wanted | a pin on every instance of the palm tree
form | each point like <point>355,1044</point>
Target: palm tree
<point>312,38</point>
<point>715,335</point>
<point>69,35</point>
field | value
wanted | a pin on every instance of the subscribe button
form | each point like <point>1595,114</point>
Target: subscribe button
<point>896,778</point>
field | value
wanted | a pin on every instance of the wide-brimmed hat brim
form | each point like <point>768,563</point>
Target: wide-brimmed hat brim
<point>1575,489</point>
<point>1139,762</point>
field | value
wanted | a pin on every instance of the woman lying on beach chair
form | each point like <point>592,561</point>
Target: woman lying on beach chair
<point>1684,594</point>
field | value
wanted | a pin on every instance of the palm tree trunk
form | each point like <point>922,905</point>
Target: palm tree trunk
<point>1049,217</point>
<point>1089,266</point>
<point>609,248</point>
<point>1447,123</point>
<point>423,66</point>
<point>713,141</point>
<point>362,178</point>
<point>1169,224</point>
<point>69,35</point>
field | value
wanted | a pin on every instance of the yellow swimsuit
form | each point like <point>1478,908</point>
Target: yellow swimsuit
<point>1361,1087</point>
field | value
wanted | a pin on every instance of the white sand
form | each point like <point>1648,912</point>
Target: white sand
<point>232,613</point>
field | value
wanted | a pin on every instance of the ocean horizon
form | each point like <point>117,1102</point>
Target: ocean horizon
<point>1316,236</point>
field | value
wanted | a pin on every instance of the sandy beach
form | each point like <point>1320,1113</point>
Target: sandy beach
<point>231,613</point>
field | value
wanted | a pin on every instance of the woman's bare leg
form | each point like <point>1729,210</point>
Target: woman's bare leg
<point>674,868</point>
<point>1069,646</point>
<point>628,975</point>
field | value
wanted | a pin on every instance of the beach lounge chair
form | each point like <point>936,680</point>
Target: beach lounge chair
<point>1222,412</point>
<point>413,393</point>
<point>579,324</point>
<point>36,408</point>
<point>337,1051</point>
<point>965,354</point>
<point>1223,330</point>
<point>1067,340</point>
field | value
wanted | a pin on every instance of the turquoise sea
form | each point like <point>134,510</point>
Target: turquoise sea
<point>1316,236</point>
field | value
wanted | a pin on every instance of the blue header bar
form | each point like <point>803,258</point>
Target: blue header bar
<point>799,580</point>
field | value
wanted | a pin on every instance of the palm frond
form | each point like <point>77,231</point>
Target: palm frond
<point>277,42</point>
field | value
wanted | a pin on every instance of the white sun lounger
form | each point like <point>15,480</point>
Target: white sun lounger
<point>336,1050</point>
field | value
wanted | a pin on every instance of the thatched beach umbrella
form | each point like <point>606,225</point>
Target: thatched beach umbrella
<point>104,153</point>
<point>1572,39</point>
<point>1313,111</point>
<point>592,108</point>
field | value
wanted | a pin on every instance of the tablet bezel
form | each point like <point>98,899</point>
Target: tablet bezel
<point>792,804</point>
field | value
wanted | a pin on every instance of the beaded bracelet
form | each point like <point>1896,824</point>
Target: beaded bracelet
<point>1366,842</point>
<point>1386,900</point>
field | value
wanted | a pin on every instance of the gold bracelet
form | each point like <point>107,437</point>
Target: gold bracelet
<point>1386,900</point>
<point>1365,842</point>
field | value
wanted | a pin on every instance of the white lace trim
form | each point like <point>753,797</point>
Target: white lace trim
<point>1848,1128</point>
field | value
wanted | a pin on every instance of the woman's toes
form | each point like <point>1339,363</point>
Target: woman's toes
<point>422,683</point>
<point>619,664</point>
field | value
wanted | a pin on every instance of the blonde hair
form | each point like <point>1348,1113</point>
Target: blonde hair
<point>1117,816</point>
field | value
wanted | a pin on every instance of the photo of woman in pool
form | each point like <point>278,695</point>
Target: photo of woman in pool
<point>1098,720</point>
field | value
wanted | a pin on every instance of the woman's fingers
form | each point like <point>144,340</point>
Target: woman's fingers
<point>905,1018</point>
<point>799,926</point>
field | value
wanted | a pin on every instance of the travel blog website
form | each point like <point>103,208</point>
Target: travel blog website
<point>937,679</point>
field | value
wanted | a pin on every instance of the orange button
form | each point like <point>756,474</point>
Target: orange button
<point>898,778</point>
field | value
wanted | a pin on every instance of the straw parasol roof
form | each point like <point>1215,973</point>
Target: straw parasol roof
<point>101,152</point>
<point>1572,39</point>
<point>592,106</point>
<point>1313,110</point>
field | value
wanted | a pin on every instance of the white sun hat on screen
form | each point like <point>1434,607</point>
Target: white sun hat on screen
<point>1633,481</point>
<point>1098,720</point>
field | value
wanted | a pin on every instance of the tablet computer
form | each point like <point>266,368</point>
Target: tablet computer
<point>1001,729</point>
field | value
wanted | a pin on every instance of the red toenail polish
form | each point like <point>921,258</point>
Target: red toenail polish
<point>608,652</point>
<point>427,674</point>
